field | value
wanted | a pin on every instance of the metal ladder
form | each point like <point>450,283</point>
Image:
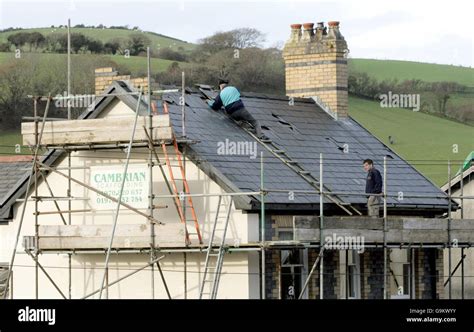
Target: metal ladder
<point>182,208</point>
<point>212,273</point>
<point>296,167</point>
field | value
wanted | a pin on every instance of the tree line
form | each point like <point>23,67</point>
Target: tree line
<point>135,44</point>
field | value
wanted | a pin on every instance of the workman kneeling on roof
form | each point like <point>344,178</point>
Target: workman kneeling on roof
<point>229,97</point>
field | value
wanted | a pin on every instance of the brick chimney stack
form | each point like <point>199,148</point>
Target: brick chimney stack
<point>106,75</point>
<point>316,66</point>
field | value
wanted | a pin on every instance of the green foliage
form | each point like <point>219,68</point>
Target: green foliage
<point>33,75</point>
<point>418,136</point>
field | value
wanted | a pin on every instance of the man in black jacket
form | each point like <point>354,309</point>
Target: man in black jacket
<point>373,185</point>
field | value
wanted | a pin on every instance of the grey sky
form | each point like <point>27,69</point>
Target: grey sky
<point>427,31</point>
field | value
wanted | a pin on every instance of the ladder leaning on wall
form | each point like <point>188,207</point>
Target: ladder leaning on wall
<point>179,200</point>
<point>215,256</point>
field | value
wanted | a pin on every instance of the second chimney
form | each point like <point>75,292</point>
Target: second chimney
<point>316,66</point>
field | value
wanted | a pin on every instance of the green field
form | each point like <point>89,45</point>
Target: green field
<point>425,141</point>
<point>8,140</point>
<point>408,70</point>
<point>104,35</point>
<point>136,64</point>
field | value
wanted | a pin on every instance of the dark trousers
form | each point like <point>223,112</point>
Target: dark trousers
<point>245,116</point>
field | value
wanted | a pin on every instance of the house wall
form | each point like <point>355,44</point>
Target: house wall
<point>456,280</point>
<point>238,274</point>
<point>427,269</point>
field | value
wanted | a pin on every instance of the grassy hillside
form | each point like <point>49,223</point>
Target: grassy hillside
<point>407,70</point>
<point>418,136</point>
<point>8,140</point>
<point>136,64</point>
<point>105,35</point>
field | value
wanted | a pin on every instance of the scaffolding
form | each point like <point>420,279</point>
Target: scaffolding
<point>211,249</point>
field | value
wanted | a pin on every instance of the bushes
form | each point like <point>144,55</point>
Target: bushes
<point>169,54</point>
<point>80,43</point>
<point>5,47</point>
<point>195,73</point>
<point>259,70</point>
<point>137,43</point>
<point>33,75</point>
<point>33,39</point>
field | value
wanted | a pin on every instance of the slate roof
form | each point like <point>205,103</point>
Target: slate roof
<point>303,130</point>
<point>10,174</point>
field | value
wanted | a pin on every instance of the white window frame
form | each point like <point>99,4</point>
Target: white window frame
<point>304,265</point>
<point>354,280</point>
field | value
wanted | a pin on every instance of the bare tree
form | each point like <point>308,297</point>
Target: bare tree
<point>233,39</point>
<point>247,37</point>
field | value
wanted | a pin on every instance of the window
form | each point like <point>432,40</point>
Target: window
<point>401,274</point>
<point>294,267</point>
<point>291,273</point>
<point>285,234</point>
<point>353,274</point>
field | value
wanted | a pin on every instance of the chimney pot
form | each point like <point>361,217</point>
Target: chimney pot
<point>334,32</point>
<point>295,33</point>
<point>325,79</point>
<point>320,31</point>
<point>308,32</point>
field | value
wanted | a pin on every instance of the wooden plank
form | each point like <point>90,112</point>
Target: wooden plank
<point>65,243</point>
<point>104,135</point>
<point>393,236</point>
<point>400,229</point>
<point>367,235</point>
<point>423,236</point>
<point>376,223</point>
<point>462,236</point>
<point>425,224</point>
<point>100,230</point>
<point>335,222</point>
<point>112,123</point>
<point>62,237</point>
